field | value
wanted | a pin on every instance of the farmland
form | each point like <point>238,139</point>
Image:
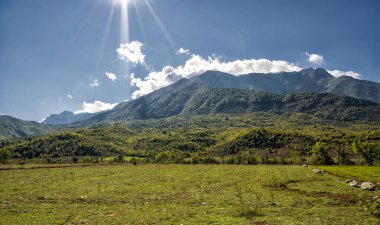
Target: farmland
<point>184,194</point>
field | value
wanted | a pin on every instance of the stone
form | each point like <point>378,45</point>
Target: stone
<point>355,183</point>
<point>368,186</point>
<point>349,181</point>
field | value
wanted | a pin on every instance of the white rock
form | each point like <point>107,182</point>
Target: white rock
<point>355,183</point>
<point>368,186</point>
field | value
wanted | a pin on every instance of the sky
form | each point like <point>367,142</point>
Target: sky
<point>89,55</point>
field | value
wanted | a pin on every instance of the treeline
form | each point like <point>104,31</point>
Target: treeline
<point>216,139</point>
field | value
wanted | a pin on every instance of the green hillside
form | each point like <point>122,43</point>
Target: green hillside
<point>219,135</point>
<point>11,127</point>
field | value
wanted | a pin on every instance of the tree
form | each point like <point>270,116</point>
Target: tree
<point>320,154</point>
<point>75,159</point>
<point>369,151</point>
<point>343,156</point>
<point>4,155</point>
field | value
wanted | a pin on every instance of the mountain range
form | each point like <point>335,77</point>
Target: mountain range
<point>188,97</point>
<point>11,127</point>
<point>307,80</point>
<point>66,117</point>
<point>309,91</point>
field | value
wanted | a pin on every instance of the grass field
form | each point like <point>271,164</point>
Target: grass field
<point>362,173</point>
<point>184,194</point>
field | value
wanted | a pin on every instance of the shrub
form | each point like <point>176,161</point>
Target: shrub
<point>195,159</point>
<point>210,160</point>
<point>90,160</point>
<point>75,159</point>
<point>4,156</point>
<point>320,155</point>
<point>344,156</point>
<point>133,160</point>
<point>369,151</point>
<point>169,157</point>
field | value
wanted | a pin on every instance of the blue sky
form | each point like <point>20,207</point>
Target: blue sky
<point>54,54</point>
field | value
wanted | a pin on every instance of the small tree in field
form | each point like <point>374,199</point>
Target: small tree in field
<point>75,159</point>
<point>320,154</point>
<point>4,156</point>
<point>369,151</point>
<point>343,156</point>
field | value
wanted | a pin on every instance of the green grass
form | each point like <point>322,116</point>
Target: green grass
<point>362,173</point>
<point>179,194</point>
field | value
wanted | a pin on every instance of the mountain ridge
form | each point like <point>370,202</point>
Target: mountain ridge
<point>11,127</point>
<point>66,117</point>
<point>189,97</point>
<point>307,80</point>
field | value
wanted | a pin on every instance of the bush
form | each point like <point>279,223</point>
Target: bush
<point>320,155</point>
<point>246,158</point>
<point>297,158</point>
<point>195,159</point>
<point>210,160</point>
<point>133,160</point>
<point>169,157</point>
<point>90,160</point>
<point>369,151</point>
<point>119,159</point>
<point>344,156</point>
<point>4,156</point>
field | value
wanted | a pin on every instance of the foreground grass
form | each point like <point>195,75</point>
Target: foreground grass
<point>179,194</point>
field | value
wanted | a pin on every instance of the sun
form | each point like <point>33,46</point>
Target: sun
<point>124,10</point>
<point>121,2</point>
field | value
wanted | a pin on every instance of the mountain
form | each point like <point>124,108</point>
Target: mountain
<point>66,117</point>
<point>307,80</point>
<point>189,97</point>
<point>11,127</point>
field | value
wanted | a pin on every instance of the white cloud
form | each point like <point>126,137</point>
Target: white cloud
<point>95,83</point>
<point>338,73</point>
<point>197,65</point>
<point>69,96</point>
<point>315,58</point>
<point>183,51</point>
<point>42,102</point>
<point>42,120</point>
<point>132,52</point>
<point>111,76</point>
<point>94,107</point>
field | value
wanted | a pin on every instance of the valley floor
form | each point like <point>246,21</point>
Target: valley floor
<point>185,194</point>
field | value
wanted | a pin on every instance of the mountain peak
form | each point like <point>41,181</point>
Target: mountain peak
<point>315,80</point>
<point>66,117</point>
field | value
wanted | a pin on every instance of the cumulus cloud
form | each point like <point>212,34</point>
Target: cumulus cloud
<point>95,107</point>
<point>197,65</point>
<point>111,76</point>
<point>69,97</point>
<point>131,52</point>
<point>95,83</point>
<point>183,51</point>
<point>315,58</point>
<point>338,73</point>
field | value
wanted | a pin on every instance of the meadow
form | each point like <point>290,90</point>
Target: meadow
<point>185,194</point>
